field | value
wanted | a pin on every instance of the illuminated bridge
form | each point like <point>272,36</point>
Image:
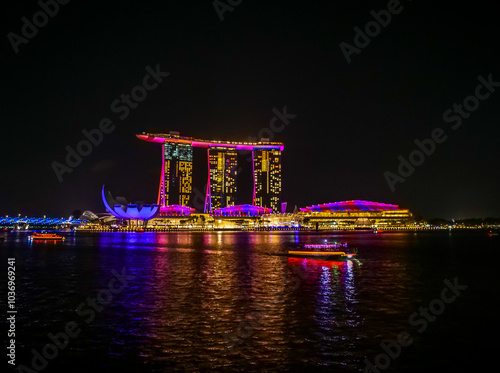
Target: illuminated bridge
<point>177,171</point>
<point>38,222</point>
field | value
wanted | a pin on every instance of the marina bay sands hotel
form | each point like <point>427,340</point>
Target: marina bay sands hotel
<point>176,178</point>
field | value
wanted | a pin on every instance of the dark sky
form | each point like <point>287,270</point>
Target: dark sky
<point>353,120</point>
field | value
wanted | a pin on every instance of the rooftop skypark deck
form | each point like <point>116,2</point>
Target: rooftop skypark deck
<point>197,143</point>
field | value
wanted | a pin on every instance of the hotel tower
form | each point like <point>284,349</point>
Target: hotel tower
<point>176,180</point>
<point>177,171</point>
<point>267,178</point>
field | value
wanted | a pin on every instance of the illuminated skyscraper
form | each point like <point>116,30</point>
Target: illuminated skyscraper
<point>221,188</point>
<point>177,176</point>
<point>177,170</point>
<point>267,178</point>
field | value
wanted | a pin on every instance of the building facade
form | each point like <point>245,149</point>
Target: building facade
<point>176,184</point>
<point>222,182</point>
<point>267,178</point>
<point>358,213</point>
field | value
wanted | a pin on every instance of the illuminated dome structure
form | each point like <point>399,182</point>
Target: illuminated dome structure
<point>357,213</point>
<point>176,210</point>
<point>89,215</point>
<point>242,210</point>
<point>354,205</point>
<point>122,209</point>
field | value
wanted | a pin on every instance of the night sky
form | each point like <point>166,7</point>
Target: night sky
<point>352,120</point>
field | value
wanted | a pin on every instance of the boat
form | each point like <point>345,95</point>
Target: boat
<point>326,251</point>
<point>45,237</point>
<point>140,230</point>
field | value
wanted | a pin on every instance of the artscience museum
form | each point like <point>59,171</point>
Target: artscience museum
<point>123,209</point>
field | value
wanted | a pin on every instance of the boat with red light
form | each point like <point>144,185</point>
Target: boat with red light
<point>45,237</point>
<point>326,251</point>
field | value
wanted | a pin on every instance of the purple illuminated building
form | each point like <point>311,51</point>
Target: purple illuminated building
<point>176,210</point>
<point>357,212</point>
<point>354,205</point>
<point>122,209</point>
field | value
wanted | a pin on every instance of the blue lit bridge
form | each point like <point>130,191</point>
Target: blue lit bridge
<point>33,222</point>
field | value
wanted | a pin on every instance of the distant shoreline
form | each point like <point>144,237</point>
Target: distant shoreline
<point>273,230</point>
<point>305,230</point>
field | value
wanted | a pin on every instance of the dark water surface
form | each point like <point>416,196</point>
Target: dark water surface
<point>220,302</point>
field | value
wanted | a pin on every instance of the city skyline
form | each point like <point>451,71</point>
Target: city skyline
<point>249,186</point>
<point>347,124</point>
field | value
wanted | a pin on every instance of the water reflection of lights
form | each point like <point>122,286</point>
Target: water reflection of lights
<point>349,286</point>
<point>334,288</point>
<point>218,252</point>
<point>296,237</point>
<point>316,263</point>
